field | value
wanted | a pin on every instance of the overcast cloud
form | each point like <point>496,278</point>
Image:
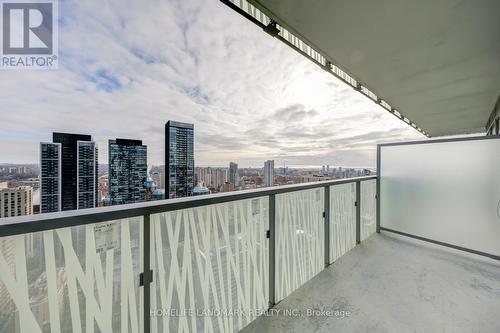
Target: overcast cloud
<point>126,67</point>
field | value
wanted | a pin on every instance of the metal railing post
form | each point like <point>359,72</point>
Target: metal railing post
<point>358,212</point>
<point>147,275</point>
<point>272,250</point>
<point>326,215</point>
<point>377,196</point>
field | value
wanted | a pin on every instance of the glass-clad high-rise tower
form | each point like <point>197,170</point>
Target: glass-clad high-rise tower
<point>50,177</point>
<point>128,170</point>
<point>68,173</point>
<point>179,159</point>
<point>233,173</point>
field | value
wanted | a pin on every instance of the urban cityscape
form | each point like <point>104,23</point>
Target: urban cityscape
<point>70,175</point>
<point>249,166</point>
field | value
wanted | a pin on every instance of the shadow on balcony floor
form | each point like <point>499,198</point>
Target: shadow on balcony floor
<point>393,284</point>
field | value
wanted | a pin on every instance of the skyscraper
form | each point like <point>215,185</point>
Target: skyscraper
<point>87,175</point>
<point>68,178</point>
<point>269,173</point>
<point>50,177</point>
<point>233,173</point>
<point>179,159</point>
<point>127,171</point>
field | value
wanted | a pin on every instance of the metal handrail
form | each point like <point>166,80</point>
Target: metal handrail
<point>34,223</point>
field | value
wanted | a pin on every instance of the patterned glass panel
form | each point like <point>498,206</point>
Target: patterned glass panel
<point>342,219</point>
<point>299,239</point>
<point>211,267</point>
<point>77,279</point>
<point>368,208</point>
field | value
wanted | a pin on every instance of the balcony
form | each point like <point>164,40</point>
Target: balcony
<point>293,258</point>
<point>391,284</point>
<point>209,263</point>
<point>415,248</point>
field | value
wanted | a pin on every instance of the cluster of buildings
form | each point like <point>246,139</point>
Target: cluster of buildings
<point>218,179</point>
<point>22,170</point>
<point>70,178</point>
<point>69,173</point>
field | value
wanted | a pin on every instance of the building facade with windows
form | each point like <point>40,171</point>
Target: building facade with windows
<point>233,173</point>
<point>50,177</point>
<point>68,176</point>
<point>269,173</point>
<point>16,201</point>
<point>179,159</point>
<point>128,171</point>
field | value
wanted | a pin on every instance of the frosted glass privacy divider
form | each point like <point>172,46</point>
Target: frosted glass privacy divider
<point>368,224</point>
<point>445,191</point>
<point>300,239</point>
<point>73,279</point>
<point>210,267</point>
<point>342,219</point>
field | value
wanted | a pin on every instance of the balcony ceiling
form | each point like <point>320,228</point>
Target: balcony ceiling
<point>437,62</point>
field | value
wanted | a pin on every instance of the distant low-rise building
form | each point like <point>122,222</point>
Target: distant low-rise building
<point>200,190</point>
<point>16,201</point>
<point>228,187</point>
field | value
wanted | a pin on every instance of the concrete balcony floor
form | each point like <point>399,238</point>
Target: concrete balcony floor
<point>395,284</point>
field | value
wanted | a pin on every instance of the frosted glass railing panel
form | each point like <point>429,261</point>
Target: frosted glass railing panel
<point>368,223</point>
<point>342,219</point>
<point>447,191</point>
<point>300,238</point>
<point>77,279</point>
<point>211,267</point>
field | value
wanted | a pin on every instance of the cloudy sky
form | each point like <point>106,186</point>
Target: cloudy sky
<point>126,67</point>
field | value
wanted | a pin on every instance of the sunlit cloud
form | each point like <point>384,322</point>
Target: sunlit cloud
<point>126,67</point>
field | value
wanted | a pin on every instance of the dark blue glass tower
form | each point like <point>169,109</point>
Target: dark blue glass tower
<point>179,159</point>
<point>128,169</point>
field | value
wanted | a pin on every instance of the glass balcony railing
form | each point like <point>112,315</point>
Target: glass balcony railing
<point>211,263</point>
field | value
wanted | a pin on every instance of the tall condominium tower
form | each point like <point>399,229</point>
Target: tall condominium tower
<point>50,177</point>
<point>269,173</point>
<point>179,159</point>
<point>128,171</point>
<point>233,173</point>
<point>68,178</point>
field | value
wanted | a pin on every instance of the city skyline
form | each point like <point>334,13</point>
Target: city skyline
<point>251,98</point>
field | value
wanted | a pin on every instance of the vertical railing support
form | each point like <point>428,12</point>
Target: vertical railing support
<point>326,216</point>
<point>358,212</point>
<point>272,250</point>
<point>377,196</point>
<point>147,276</point>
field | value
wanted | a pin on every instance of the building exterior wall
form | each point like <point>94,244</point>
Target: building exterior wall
<point>269,173</point>
<point>179,159</point>
<point>87,175</point>
<point>233,173</point>
<point>127,171</point>
<point>16,201</point>
<point>69,168</point>
<point>68,176</point>
<point>50,177</point>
